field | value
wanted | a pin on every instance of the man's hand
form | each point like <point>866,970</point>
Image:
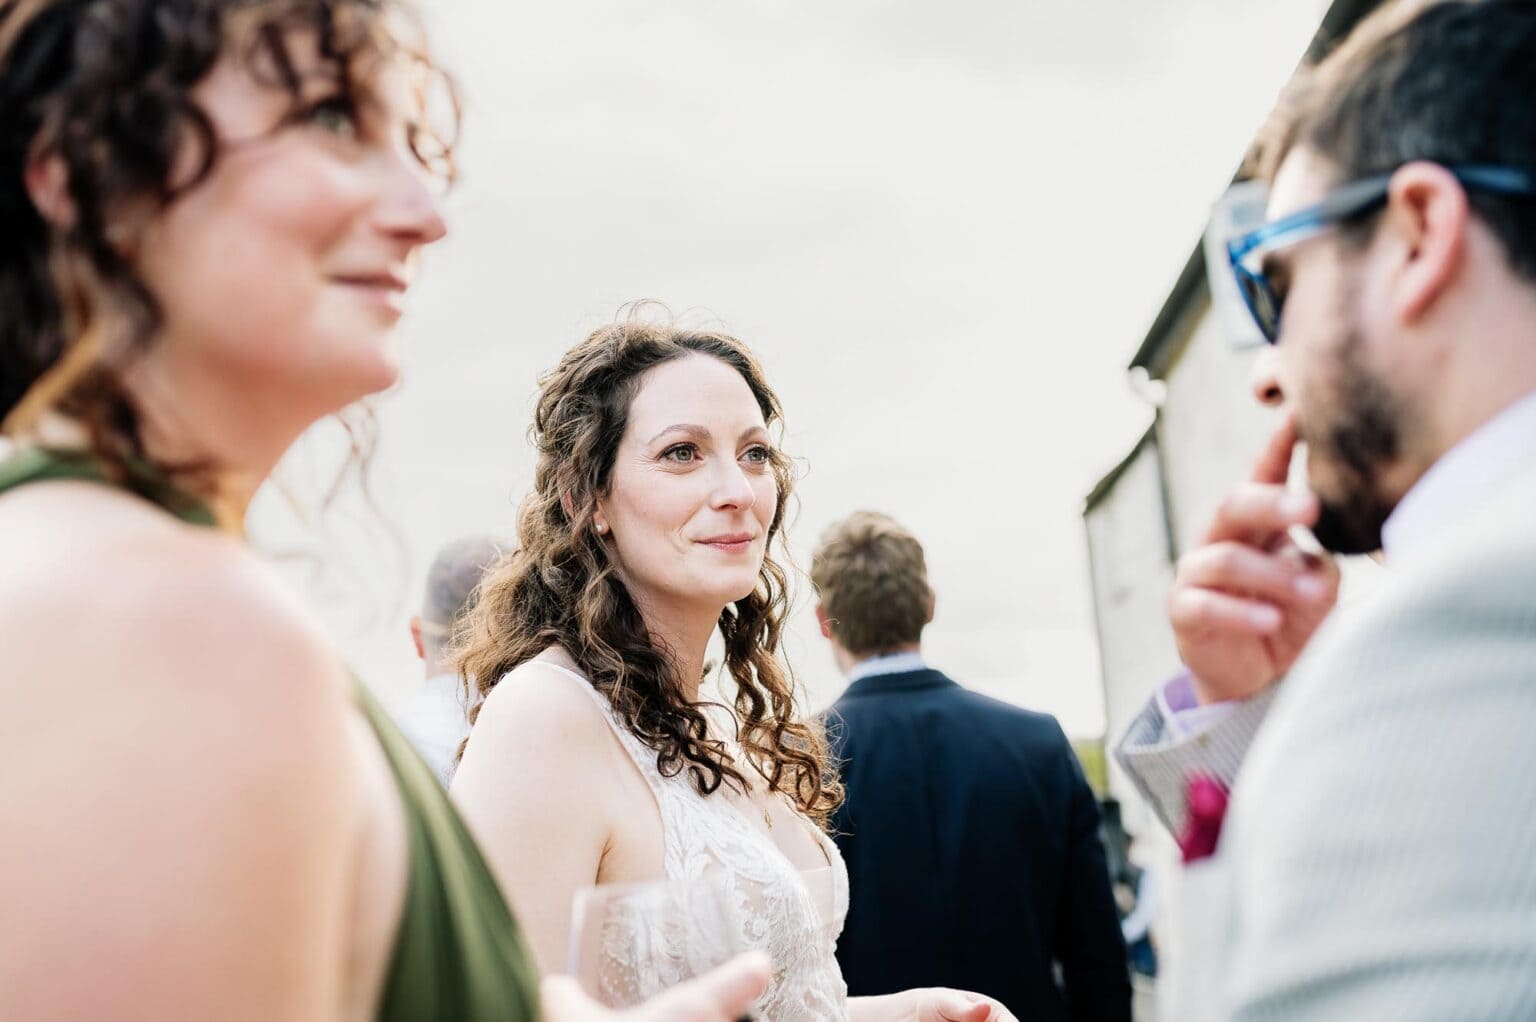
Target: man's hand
<point>724,995</point>
<point>1247,600</point>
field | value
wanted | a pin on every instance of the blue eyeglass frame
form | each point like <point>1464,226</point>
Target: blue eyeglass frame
<point>1353,200</point>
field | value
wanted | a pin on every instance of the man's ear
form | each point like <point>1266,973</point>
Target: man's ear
<point>824,621</point>
<point>1427,208</point>
<point>421,649</point>
<point>933,601</point>
<point>47,182</point>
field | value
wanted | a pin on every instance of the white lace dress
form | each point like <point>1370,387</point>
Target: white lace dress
<point>794,916</point>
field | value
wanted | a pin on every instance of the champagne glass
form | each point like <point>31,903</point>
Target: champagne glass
<point>630,942</point>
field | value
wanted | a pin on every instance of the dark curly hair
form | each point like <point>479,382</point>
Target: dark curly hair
<point>561,587</point>
<point>104,87</point>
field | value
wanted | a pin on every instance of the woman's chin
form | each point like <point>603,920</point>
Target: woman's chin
<point>376,371</point>
<point>701,591</point>
<point>729,595</point>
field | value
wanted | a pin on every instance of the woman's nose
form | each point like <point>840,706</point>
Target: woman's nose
<point>410,208</point>
<point>733,489</point>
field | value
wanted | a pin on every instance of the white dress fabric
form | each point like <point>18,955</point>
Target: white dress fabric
<point>795,916</point>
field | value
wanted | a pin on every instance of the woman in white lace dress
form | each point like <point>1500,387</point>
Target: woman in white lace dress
<point>595,758</point>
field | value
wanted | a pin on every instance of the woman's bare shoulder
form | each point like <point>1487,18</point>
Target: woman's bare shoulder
<point>172,707</point>
<point>544,695</point>
<point>540,720</point>
<point>105,592</point>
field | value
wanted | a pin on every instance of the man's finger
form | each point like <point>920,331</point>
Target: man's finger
<point>1206,610</point>
<point>1323,565</point>
<point>1256,513</point>
<point>1274,462</point>
<point>1241,570</point>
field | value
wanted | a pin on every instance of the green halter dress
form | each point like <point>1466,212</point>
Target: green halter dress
<point>459,954</point>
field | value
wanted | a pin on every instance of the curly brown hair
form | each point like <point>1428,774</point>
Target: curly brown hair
<point>104,87</point>
<point>561,587</point>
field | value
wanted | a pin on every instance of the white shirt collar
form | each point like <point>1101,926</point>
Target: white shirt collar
<point>1460,481</point>
<point>890,663</point>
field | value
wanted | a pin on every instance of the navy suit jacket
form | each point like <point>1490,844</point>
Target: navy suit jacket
<point>973,852</point>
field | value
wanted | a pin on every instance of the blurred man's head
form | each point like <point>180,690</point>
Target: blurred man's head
<point>873,586</point>
<point>1411,322</point>
<point>451,583</point>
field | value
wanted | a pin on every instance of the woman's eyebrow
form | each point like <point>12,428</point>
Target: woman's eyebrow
<point>682,427</point>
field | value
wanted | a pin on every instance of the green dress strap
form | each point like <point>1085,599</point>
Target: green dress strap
<point>459,954</point>
<point>39,464</point>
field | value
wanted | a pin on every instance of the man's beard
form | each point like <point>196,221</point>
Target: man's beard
<point>1363,439</point>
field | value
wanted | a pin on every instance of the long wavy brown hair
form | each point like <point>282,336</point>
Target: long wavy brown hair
<point>561,589</point>
<point>105,88</point>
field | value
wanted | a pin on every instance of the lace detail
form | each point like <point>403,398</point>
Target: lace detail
<point>796,917</point>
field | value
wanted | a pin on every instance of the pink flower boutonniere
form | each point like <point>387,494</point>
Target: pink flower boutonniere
<point>1206,799</point>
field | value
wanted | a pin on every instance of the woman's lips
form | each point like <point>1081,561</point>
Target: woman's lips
<point>384,290</point>
<point>732,543</point>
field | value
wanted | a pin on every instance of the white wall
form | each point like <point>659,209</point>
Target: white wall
<point>1131,573</point>
<point>1210,427</point>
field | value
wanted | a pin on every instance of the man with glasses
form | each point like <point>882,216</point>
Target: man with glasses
<point>1376,857</point>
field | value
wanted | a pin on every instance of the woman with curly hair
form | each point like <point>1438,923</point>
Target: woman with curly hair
<point>212,211</point>
<point>596,755</point>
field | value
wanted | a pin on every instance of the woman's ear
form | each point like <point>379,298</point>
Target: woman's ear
<point>47,181</point>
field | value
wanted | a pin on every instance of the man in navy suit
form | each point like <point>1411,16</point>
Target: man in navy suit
<point>970,833</point>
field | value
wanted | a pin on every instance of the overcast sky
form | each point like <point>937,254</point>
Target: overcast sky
<point>943,227</point>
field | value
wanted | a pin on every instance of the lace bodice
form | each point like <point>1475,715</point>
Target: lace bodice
<point>794,916</point>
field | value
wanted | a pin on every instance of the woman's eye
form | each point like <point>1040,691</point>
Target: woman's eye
<point>682,454</point>
<point>758,455</point>
<point>336,115</point>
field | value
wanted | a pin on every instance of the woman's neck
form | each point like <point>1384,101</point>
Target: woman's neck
<point>182,423</point>
<point>683,632</point>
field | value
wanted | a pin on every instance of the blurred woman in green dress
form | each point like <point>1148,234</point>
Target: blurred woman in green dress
<point>213,212</point>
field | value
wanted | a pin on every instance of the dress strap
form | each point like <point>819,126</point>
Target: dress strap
<point>45,464</point>
<point>644,759</point>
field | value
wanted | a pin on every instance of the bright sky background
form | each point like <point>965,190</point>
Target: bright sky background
<point>943,227</point>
